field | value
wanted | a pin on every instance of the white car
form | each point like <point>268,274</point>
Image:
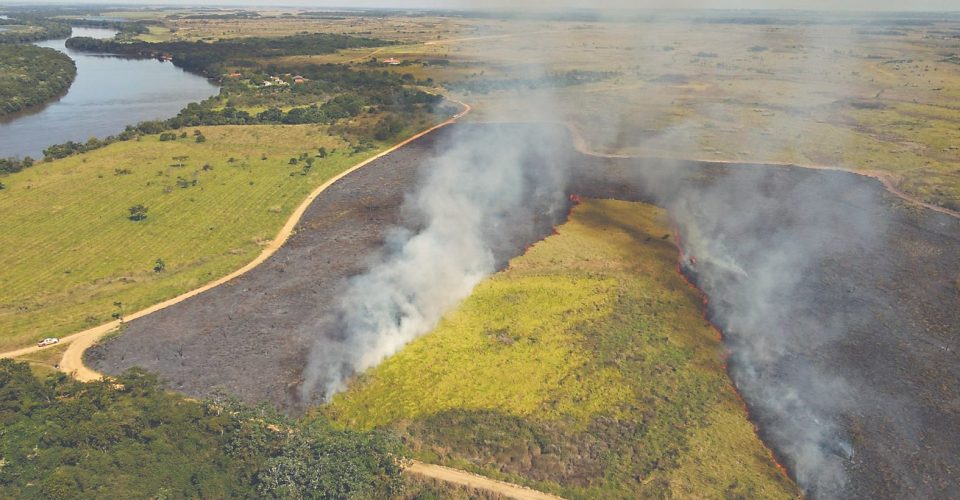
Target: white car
<point>48,341</point>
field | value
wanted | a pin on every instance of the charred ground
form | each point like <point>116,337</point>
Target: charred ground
<point>870,302</point>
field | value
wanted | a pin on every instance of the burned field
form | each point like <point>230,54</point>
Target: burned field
<point>839,304</point>
<point>251,337</point>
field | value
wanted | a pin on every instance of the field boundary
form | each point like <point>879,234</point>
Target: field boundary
<point>72,361</point>
<point>888,180</point>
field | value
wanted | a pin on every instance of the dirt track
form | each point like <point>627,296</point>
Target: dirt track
<point>478,482</point>
<point>897,346</point>
<point>72,361</point>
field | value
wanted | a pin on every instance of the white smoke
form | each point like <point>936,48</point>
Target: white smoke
<point>491,187</point>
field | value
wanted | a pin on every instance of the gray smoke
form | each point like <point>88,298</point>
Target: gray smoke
<point>490,188</point>
<point>757,245</point>
<point>760,243</point>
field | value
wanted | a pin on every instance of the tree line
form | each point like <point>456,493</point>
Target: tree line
<point>33,30</point>
<point>212,58</point>
<point>129,438</point>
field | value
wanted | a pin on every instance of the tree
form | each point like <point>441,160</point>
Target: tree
<point>138,212</point>
<point>159,266</point>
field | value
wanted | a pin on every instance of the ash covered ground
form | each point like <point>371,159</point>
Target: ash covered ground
<point>840,305</point>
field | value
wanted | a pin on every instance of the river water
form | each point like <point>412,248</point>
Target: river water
<point>108,94</point>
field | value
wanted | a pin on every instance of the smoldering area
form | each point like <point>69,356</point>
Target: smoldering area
<point>839,301</point>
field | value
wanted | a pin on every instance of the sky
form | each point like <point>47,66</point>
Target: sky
<point>855,5</point>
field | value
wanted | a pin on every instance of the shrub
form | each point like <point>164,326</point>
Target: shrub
<point>138,212</point>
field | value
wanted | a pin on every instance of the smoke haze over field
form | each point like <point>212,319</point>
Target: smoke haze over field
<point>768,250</point>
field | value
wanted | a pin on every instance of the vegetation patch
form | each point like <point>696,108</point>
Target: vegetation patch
<point>129,438</point>
<point>585,369</point>
<point>30,76</point>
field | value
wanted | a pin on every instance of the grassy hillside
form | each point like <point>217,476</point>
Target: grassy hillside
<point>71,252</point>
<point>585,369</point>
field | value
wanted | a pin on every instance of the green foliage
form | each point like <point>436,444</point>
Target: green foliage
<point>30,76</point>
<point>388,127</point>
<point>129,438</point>
<point>159,265</point>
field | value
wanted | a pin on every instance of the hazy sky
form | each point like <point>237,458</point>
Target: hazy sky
<point>862,5</point>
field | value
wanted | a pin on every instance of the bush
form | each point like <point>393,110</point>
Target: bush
<point>138,212</point>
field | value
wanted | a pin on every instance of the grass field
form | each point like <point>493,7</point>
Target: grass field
<point>852,94</point>
<point>71,252</point>
<point>584,369</point>
<point>841,95</point>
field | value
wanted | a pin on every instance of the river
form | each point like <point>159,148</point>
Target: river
<point>108,94</point>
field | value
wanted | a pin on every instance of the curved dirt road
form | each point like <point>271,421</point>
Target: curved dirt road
<point>888,180</point>
<point>477,482</point>
<point>72,362</point>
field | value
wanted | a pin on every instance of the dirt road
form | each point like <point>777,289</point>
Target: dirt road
<point>478,482</point>
<point>888,180</point>
<point>72,362</point>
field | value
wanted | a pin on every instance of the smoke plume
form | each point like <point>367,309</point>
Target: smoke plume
<point>491,189</point>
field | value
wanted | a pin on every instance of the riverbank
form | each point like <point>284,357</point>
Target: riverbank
<point>32,76</point>
<point>108,94</point>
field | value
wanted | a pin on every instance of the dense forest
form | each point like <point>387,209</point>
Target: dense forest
<point>31,75</point>
<point>212,58</point>
<point>129,438</point>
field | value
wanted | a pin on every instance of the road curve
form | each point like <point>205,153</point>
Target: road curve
<point>476,481</point>
<point>72,362</point>
<point>888,180</point>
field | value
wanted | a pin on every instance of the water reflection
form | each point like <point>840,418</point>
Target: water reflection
<point>108,94</point>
